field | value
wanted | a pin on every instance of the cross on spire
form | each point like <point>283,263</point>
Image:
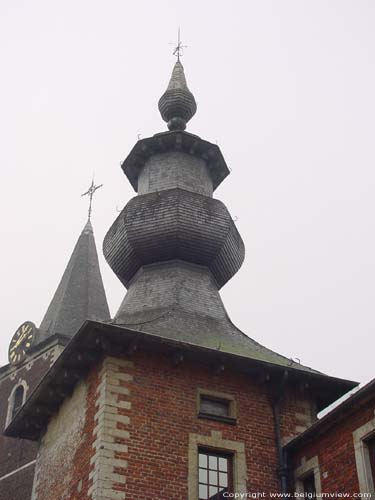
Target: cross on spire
<point>90,193</point>
<point>178,51</point>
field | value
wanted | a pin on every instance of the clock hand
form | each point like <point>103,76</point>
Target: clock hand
<point>21,338</point>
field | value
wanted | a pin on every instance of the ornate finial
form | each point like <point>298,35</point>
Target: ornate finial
<point>179,49</point>
<point>177,105</point>
<point>90,193</point>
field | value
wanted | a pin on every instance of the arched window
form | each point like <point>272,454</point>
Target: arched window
<point>18,397</point>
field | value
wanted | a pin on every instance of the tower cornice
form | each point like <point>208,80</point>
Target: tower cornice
<point>171,142</point>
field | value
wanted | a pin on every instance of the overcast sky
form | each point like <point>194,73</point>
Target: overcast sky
<point>286,88</point>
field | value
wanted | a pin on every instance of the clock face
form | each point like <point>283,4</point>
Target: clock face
<point>21,342</point>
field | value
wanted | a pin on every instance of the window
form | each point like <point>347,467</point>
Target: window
<point>214,475</point>
<point>309,486</point>
<point>216,406</point>
<point>18,399</point>
<point>307,477</point>
<point>199,478</point>
<point>371,451</point>
<point>364,449</point>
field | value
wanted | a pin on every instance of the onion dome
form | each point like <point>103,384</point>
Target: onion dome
<point>177,105</point>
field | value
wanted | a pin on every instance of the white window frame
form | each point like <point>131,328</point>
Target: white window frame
<point>307,468</point>
<point>362,457</point>
<point>9,416</point>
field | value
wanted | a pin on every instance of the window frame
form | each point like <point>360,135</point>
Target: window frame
<point>362,456</point>
<point>370,443</point>
<point>309,477</point>
<point>218,454</point>
<point>220,397</point>
<point>11,400</point>
<point>307,468</point>
<point>217,444</point>
<point>18,394</point>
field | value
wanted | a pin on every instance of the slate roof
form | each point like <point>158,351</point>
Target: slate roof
<point>177,105</point>
<point>80,294</point>
<point>207,332</point>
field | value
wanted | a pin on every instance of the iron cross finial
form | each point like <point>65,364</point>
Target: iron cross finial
<point>179,49</point>
<point>90,193</point>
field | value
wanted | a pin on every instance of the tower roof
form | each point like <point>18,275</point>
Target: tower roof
<point>174,246</point>
<point>80,294</point>
<point>177,105</point>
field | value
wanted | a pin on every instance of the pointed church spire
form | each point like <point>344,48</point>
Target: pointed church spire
<point>177,105</point>
<point>80,294</point>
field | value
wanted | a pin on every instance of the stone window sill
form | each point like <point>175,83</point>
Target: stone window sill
<point>218,418</point>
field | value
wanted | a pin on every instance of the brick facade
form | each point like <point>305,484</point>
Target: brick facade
<point>135,426</point>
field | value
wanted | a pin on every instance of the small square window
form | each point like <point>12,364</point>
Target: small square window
<point>216,406</point>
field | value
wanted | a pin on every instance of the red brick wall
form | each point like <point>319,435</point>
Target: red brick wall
<point>163,413</point>
<point>335,451</point>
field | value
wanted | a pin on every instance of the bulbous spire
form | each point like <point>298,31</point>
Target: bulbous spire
<point>177,105</point>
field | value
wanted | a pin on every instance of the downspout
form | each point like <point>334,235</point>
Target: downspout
<point>282,467</point>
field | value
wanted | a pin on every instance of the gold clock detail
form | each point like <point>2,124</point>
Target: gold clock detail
<point>21,342</point>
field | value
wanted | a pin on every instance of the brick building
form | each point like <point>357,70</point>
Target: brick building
<point>168,399</point>
<point>337,452</point>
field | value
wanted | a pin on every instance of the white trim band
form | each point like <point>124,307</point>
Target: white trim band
<point>17,470</point>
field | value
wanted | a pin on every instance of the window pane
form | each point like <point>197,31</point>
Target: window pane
<point>202,460</point>
<point>214,407</point>
<point>212,462</point>
<point>213,477</point>
<point>213,491</point>
<point>203,476</point>
<point>223,479</point>
<point>223,464</point>
<point>203,492</point>
<point>17,399</point>
<point>215,481</point>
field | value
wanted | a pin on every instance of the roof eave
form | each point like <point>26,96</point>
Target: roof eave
<point>95,339</point>
<point>336,414</point>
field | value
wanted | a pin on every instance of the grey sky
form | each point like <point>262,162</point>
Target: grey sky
<point>286,88</point>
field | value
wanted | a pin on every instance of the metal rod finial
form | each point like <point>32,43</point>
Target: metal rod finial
<point>90,193</point>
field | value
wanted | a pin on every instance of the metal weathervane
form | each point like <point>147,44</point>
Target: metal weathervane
<point>90,193</point>
<point>179,49</point>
